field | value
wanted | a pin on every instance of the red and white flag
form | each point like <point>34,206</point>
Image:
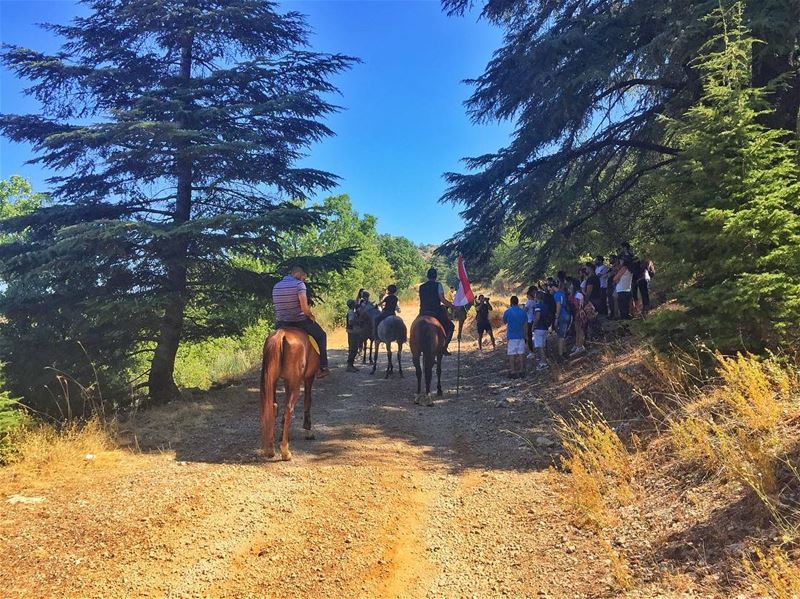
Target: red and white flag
<point>464,294</point>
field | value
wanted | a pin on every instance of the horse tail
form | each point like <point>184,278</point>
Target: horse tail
<point>271,366</point>
<point>402,336</point>
<point>428,343</point>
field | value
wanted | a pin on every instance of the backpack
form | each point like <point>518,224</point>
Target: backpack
<point>589,311</point>
<point>550,303</point>
<point>573,305</point>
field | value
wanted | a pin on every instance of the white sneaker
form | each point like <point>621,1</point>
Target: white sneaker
<point>531,356</point>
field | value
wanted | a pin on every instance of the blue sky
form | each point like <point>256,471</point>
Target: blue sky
<point>404,122</point>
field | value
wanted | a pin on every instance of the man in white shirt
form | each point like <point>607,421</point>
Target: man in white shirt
<point>530,305</point>
<point>624,281</point>
<point>601,270</point>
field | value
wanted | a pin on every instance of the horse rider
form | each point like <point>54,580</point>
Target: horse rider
<point>432,302</point>
<point>290,298</point>
<point>390,305</point>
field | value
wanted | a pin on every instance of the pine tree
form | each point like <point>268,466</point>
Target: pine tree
<point>174,128</point>
<point>587,85</point>
<point>735,203</point>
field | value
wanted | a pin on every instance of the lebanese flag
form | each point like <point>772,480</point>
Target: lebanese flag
<point>464,294</point>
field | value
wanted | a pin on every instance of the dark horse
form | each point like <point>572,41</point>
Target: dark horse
<point>391,329</point>
<point>288,355</point>
<point>428,339</point>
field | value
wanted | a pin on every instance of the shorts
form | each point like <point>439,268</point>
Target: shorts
<point>540,338</point>
<point>516,347</point>
<point>484,327</point>
<point>562,328</point>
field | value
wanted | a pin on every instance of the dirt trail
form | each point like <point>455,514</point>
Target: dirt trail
<point>391,500</point>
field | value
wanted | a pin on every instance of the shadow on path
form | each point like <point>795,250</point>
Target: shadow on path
<point>362,416</point>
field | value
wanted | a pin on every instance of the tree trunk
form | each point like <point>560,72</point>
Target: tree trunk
<point>161,383</point>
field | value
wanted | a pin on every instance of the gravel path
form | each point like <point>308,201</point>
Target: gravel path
<point>391,500</point>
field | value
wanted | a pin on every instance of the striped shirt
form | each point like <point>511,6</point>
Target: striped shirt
<point>286,299</point>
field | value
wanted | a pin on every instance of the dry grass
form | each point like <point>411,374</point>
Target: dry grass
<point>741,426</point>
<point>42,448</point>
<point>692,440</point>
<point>600,478</point>
<point>738,426</point>
<point>619,567</point>
<point>598,463</point>
<point>755,392</point>
<point>773,574</point>
<point>737,422</point>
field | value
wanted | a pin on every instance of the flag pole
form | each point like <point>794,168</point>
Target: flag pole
<point>458,366</point>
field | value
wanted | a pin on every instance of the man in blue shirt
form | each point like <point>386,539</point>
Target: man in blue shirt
<point>542,320</point>
<point>562,317</point>
<point>516,319</point>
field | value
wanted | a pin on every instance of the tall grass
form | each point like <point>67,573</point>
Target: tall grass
<point>41,447</point>
<point>37,445</point>
<point>742,426</point>
<point>739,425</point>
<point>598,462</point>
<point>600,478</point>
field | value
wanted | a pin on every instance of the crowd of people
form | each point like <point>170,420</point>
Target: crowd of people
<point>566,307</point>
<point>570,308</point>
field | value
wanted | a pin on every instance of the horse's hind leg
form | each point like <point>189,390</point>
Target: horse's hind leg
<point>389,368</point>
<point>375,363</point>
<point>428,376</point>
<point>292,395</point>
<point>439,375</point>
<point>418,369</point>
<point>399,353</point>
<point>307,408</point>
<point>268,410</point>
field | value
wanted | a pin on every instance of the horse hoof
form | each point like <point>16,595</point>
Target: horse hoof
<point>416,399</point>
<point>310,436</point>
<point>269,454</point>
<point>286,455</point>
<point>439,392</point>
<point>429,401</point>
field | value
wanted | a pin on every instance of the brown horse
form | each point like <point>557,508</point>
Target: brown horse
<point>428,339</point>
<point>288,355</point>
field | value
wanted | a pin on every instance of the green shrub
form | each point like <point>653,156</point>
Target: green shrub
<point>217,360</point>
<point>11,417</point>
